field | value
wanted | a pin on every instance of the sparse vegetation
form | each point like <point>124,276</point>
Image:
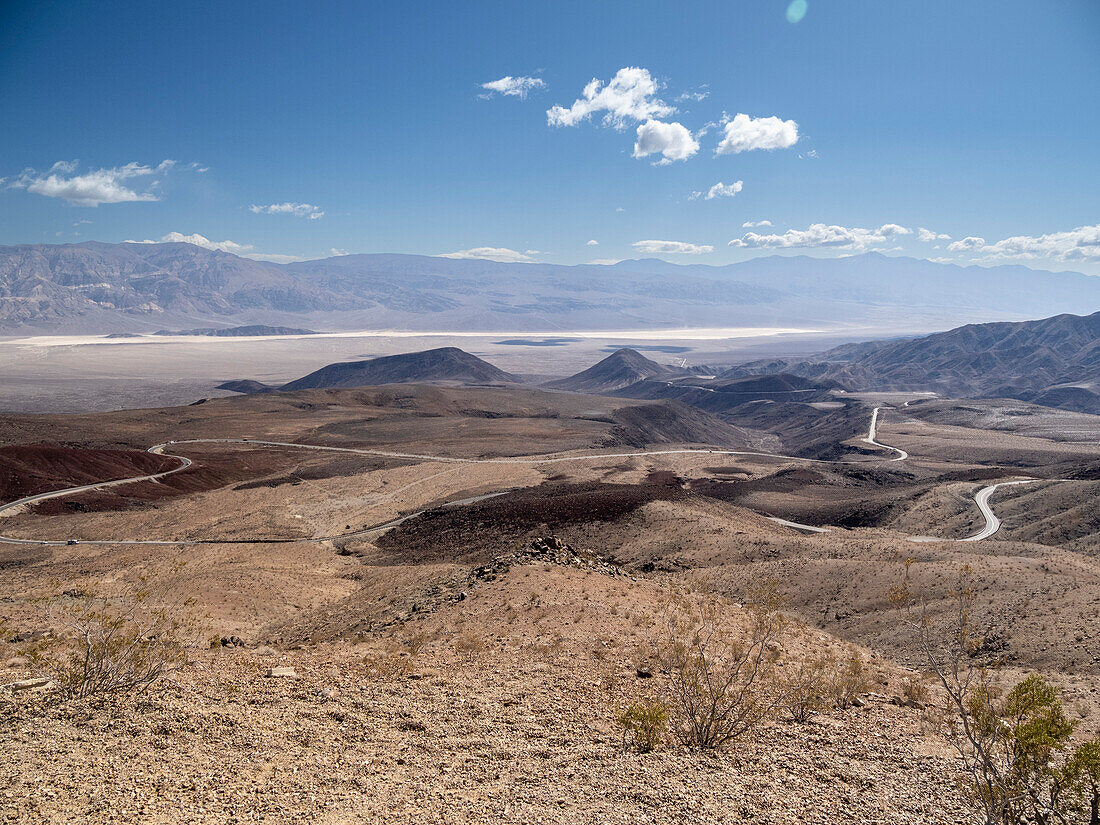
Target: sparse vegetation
<point>1014,746</point>
<point>106,647</point>
<point>643,725</point>
<point>721,682</point>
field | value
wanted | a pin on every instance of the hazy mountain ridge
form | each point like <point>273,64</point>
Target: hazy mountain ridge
<point>1053,361</point>
<point>102,288</point>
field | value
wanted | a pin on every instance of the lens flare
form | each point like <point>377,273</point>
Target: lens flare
<point>796,10</point>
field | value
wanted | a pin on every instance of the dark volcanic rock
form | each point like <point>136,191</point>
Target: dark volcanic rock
<point>620,369</point>
<point>446,364</point>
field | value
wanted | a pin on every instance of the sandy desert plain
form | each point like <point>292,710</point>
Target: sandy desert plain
<point>466,664</point>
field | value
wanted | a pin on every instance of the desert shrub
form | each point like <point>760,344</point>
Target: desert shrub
<point>106,647</point>
<point>643,725</point>
<point>1014,746</point>
<point>721,680</point>
<point>914,690</point>
<point>468,643</point>
<point>846,680</point>
<point>804,688</point>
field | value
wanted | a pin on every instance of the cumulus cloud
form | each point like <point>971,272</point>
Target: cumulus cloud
<point>751,224</point>
<point>199,240</point>
<point>966,244</point>
<point>671,140</point>
<point>630,95</point>
<point>493,253</point>
<point>671,247</point>
<point>593,242</point>
<point>604,261</point>
<point>96,186</point>
<point>822,235</point>
<point>298,210</point>
<point>927,235</point>
<point>513,86</point>
<point>744,133</point>
<point>720,190</point>
<point>1080,244</point>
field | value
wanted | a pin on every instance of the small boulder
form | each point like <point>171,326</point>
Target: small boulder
<point>284,671</point>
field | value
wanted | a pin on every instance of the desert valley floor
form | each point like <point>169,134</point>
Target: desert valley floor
<point>462,665</point>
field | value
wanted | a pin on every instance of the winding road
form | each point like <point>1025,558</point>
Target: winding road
<point>992,523</point>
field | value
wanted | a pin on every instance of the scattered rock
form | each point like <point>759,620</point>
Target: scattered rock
<point>38,683</point>
<point>283,671</point>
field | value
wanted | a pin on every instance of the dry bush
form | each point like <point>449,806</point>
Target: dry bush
<point>915,691</point>
<point>106,647</point>
<point>643,725</point>
<point>846,681</point>
<point>721,681</point>
<point>468,643</point>
<point>804,687</point>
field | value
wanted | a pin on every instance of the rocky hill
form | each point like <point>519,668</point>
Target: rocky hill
<point>620,369</point>
<point>1053,361</point>
<point>444,365</point>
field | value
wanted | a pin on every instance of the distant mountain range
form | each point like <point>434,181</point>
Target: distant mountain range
<point>118,288</point>
<point>1053,361</point>
<point>249,331</point>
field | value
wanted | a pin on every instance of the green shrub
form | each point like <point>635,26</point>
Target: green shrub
<point>643,725</point>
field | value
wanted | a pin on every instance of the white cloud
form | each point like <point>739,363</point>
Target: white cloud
<point>672,140</point>
<point>619,209</point>
<point>672,247</point>
<point>513,86</point>
<point>927,235</point>
<point>93,187</point>
<point>630,95</point>
<point>821,235</point>
<point>298,210</point>
<point>744,133</point>
<point>966,244</point>
<point>492,253</point>
<point>604,261</point>
<point>205,243</point>
<point>719,190</point>
<point>701,94</point>
<point>1080,244</point>
<point>243,250</point>
<point>593,242</point>
<point>751,224</point>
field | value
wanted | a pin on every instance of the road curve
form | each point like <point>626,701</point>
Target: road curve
<point>872,431</point>
<point>992,523</point>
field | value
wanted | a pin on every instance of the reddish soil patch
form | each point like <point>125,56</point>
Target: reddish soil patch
<point>210,471</point>
<point>30,469</point>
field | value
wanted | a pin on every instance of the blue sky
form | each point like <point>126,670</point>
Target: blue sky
<point>861,124</point>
